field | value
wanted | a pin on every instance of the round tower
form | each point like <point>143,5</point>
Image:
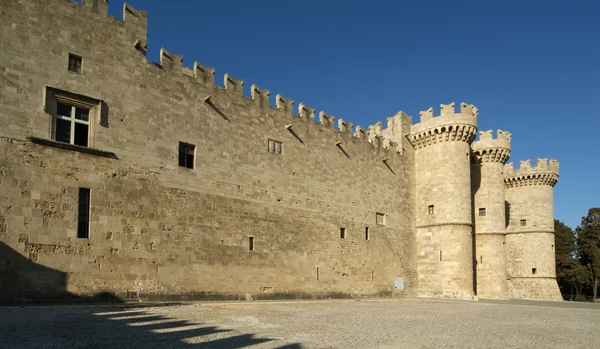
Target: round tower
<point>443,201</point>
<point>530,232</point>
<point>489,219</point>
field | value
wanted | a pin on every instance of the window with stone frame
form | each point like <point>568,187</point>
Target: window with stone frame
<point>73,117</point>
<point>482,212</point>
<point>523,222</point>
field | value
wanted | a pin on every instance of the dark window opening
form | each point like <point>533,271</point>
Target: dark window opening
<point>482,212</point>
<point>186,155</point>
<point>251,243</point>
<point>317,273</point>
<point>440,255</point>
<point>342,233</point>
<point>81,135</point>
<point>75,63</point>
<point>534,271</point>
<point>430,208</point>
<point>83,214</point>
<point>366,233</point>
<point>523,222</point>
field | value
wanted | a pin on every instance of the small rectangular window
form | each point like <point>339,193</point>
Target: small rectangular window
<point>380,218</point>
<point>251,243</point>
<point>533,271</point>
<point>430,208</point>
<point>342,233</point>
<point>186,155</point>
<point>75,63</point>
<point>481,212</point>
<point>523,222</point>
<point>275,146</point>
<point>83,214</point>
<point>366,233</point>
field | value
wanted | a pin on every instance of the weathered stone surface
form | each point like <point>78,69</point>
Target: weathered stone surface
<point>161,231</point>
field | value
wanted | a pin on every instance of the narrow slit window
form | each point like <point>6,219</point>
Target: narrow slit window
<point>342,233</point>
<point>482,212</point>
<point>523,222</point>
<point>251,243</point>
<point>317,273</point>
<point>75,63</point>
<point>430,209</point>
<point>367,237</point>
<point>275,146</point>
<point>380,218</point>
<point>440,255</point>
<point>186,155</point>
<point>83,214</point>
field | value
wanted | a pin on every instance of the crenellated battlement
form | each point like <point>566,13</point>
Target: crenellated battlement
<point>543,173</point>
<point>492,149</point>
<point>173,63</point>
<point>448,126</point>
<point>456,125</point>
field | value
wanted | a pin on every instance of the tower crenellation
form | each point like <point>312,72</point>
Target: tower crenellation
<point>543,173</point>
<point>449,126</point>
<point>492,149</point>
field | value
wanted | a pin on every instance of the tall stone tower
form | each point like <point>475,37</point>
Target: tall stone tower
<point>443,201</point>
<point>489,238</point>
<point>530,232</point>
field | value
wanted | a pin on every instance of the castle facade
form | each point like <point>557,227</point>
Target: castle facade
<point>148,181</point>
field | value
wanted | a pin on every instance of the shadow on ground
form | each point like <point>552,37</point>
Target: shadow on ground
<point>115,326</point>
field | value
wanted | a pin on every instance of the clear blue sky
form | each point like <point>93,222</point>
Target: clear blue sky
<point>532,67</point>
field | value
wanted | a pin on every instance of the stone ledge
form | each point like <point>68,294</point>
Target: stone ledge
<point>72,147</point>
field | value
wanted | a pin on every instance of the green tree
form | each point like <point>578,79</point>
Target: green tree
<point>572,277</point>
<point>588,236</point>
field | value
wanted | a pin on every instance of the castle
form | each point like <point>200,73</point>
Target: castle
<point>148,181</point>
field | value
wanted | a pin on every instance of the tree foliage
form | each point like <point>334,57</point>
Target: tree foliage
<point>571,275</point>
<point>588,239</point>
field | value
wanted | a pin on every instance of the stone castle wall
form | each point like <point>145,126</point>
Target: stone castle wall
<point>161,230</point>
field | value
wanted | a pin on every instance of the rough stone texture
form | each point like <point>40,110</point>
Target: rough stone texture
<point>487,177</point>
<point>530,264</point>
<point>163,232</point>
<point>443,212</point>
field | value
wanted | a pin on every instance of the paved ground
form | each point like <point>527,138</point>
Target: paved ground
<point>398,323</point>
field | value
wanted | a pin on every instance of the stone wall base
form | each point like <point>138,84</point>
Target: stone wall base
<point>541,288</point>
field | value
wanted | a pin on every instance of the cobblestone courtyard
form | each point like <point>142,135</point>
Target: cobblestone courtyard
<point>398,323</point>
